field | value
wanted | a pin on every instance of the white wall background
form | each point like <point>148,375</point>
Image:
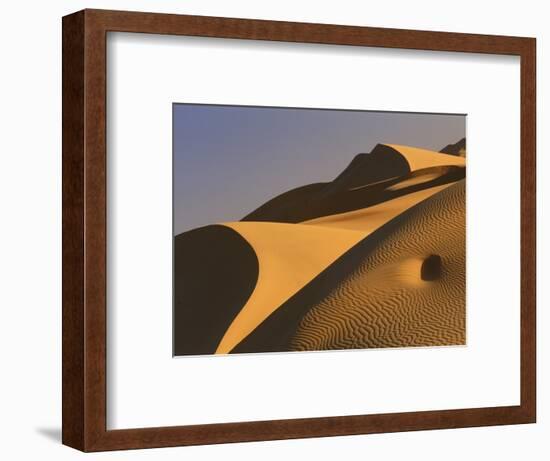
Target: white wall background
<point>30,235</point>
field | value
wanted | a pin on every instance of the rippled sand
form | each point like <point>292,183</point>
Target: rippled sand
<point>384,302</point>
<point>372,259</point>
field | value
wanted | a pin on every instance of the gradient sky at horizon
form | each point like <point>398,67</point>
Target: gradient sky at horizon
<point>229,160</point>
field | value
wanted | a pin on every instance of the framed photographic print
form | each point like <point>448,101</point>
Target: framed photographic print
<point>290,269</point>
<point>278,230</point>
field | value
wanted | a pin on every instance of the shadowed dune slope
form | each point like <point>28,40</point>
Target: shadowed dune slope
<point>381,164</point>
<point>288,207</point>
<point>384,302</point>
<point>209,292</point>
<point>458,148</point>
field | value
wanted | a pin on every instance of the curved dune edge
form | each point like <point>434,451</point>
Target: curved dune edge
<point>291,255</point>
<point>418,158</point>
<point>294,254</point>
<point>201,314</point>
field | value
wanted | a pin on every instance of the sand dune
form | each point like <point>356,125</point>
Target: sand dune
<point>365,182</point>
<point>383,302</point>
<point>374,258</point>
<point>418,158</point>
<point>371,218</point>
<point>458,148</point>
<point>202,257</point>
<point>382,163</point>
<point>294,254</point>
<point>290,254</point>
<point>424,176</point>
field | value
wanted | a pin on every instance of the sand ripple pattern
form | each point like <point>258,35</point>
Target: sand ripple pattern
<point>384,302</point>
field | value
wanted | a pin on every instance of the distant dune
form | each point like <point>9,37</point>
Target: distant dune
<point>375,258</point>
<point>458,148</point>
<point>422,158</point>
<point>360,185</point>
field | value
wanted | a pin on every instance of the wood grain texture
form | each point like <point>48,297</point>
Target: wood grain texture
<point>84,229</point>
<point>528,230</point>
<point>73,231</point>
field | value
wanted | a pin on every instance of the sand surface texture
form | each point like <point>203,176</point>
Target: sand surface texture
<point>375,258</point>
<point>384,302</point>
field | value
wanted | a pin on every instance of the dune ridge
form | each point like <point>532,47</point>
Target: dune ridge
<point>458,148</point>
<point>364,182</point>
<point>202,256</point>
<point>285,254</point>
<point>292,254</point>
<point>384,302</point>
<point>367,260</point>
<point>419,158</point>
<point>278,331</point>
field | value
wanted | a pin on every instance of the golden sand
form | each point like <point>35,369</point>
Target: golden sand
<point>384,302</point>
<point>370,219</point>
<point>289,256</point>
<point>294,254</point>
<point>423,158</point>
<point>359,313</point>
<point>421,179</point>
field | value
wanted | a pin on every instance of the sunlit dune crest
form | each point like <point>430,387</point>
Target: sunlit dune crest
<point>423,158</point>
<point>289,256</point>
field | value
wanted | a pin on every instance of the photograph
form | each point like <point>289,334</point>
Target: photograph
<point>314,229</point>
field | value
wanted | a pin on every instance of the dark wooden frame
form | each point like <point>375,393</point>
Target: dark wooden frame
<point>84,229</point>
